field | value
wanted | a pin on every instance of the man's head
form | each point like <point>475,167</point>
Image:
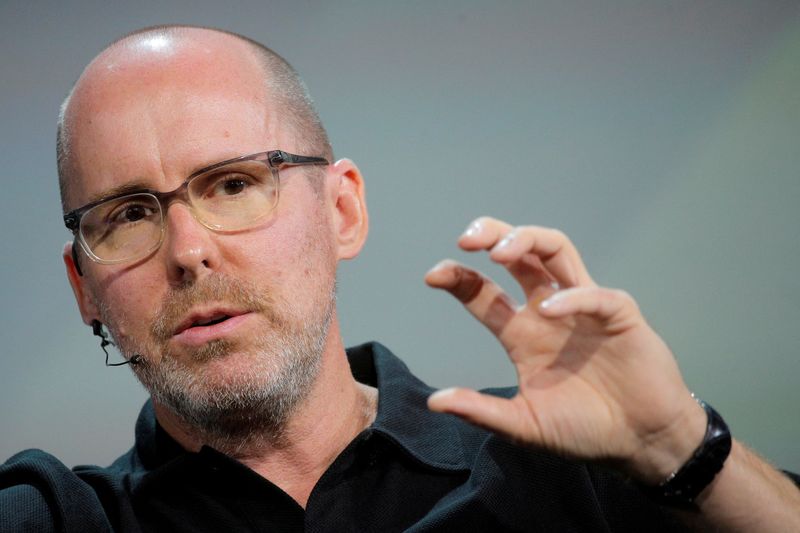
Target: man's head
<point>281,82</point>
<point>231,324</point>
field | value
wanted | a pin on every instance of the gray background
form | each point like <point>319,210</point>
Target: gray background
<point>662,136</point>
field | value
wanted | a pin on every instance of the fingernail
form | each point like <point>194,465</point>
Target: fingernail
<point>442,393</point>
<point>505,241</point>
<point>438,266</point>
<point>551,302</point>
<point>473,229</point>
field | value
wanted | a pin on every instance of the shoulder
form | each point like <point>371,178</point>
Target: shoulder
<point>40,493</point>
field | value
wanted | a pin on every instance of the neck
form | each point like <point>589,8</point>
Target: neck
<point>335,411</point>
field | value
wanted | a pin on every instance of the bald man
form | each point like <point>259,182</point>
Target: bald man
<point>209,217</point>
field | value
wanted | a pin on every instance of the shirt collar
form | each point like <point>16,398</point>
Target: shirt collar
<point>154,446</point>
<point>403,416</point>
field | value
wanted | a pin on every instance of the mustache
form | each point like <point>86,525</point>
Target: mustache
<point>217,288</point>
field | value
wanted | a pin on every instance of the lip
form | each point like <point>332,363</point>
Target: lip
<point>191,335</point>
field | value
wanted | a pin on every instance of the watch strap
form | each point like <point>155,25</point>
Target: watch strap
<point>683,486</point>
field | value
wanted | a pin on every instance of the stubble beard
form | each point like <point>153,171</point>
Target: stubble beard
<point>250,407</point>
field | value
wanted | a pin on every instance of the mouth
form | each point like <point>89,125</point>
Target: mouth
<point>210,321</point>
<point>203,326</point>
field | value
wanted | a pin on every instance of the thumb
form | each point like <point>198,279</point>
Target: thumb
<point>499,415</point>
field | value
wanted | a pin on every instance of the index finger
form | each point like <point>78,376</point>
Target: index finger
<point>481,296</point>
<point>509,245</point>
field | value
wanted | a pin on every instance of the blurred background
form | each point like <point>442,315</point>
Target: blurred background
<point>663,137</point>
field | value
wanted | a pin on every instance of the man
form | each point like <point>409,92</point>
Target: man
<point>209,219</point>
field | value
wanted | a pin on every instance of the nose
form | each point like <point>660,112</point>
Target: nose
<point>190,249</point>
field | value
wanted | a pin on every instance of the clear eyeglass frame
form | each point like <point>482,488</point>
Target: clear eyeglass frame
<point>274,160</point>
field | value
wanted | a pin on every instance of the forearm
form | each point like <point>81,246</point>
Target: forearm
<point>748,495</point>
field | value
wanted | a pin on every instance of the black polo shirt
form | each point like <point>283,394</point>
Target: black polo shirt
<point>411,470</point>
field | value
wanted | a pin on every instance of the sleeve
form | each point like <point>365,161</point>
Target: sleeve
<point>39,493</point>
<point>794,477</point>
<point>23,508</point>
<point>626,507</point>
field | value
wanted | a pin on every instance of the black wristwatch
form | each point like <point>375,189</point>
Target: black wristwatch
<point>684,485</point>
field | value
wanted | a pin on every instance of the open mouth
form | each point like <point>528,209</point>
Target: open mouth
<point>210,321</point>
<point>202,327</point>
<point>199,321</point>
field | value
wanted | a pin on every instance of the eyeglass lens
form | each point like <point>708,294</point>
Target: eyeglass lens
<point>231,197</point>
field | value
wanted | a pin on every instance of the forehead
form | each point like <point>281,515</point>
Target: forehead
<point>154,111</point>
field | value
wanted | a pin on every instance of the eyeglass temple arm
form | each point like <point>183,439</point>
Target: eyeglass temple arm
<point>75,258</point>
<point>71,222</point>
<point>279,157</point>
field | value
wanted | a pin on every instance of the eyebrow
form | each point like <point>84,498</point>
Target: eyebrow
<point>119,190</point>
<point>140,185</point>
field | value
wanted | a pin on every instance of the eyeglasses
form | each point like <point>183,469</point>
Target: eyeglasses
<point>228,196</point>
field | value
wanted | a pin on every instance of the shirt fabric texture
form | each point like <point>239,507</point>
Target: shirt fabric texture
<point>411,470</point>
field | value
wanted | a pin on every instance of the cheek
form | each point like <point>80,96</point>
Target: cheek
<point>131,302</point>
<point>257,256</point>
<point>289,263</point>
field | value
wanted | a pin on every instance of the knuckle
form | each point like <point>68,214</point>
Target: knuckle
<point>604,295</point>
<point>620,293</point>
<point>561,240</point>
<point>625,297</point>
<point>558,234</point>
<point>532,228</point>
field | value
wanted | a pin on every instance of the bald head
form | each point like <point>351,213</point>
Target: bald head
<point>148,62</point>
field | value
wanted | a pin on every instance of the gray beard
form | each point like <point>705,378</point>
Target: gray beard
<point>254,409</point>
<point>246,411</point>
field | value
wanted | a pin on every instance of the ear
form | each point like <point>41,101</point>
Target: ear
<point>350,222</point>
<point>87,307</point>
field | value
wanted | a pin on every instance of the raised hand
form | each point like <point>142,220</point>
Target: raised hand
<point>595,381</point>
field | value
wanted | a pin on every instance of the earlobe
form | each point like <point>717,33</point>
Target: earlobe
<point>86,306</point>
<point>351,221</point>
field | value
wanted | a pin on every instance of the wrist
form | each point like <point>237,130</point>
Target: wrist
<point>665,452</point>
<point>683,485</point>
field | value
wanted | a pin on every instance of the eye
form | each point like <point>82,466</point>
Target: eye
<point>134,213</point>
<point>131,213</point>
<point>228,185</point>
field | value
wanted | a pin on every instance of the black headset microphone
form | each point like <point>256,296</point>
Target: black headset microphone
<point>136,359</point>
<point>97,329</point>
